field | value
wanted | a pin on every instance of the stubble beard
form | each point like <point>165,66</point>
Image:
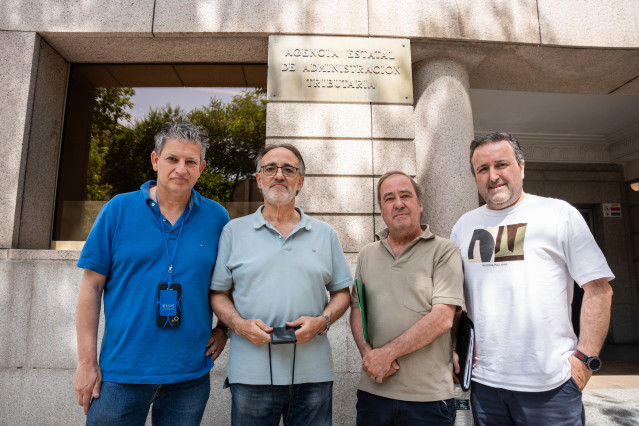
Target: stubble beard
<point>498,202</point>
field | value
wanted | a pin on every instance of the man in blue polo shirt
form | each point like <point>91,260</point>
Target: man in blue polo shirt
<point>150,255</point>
<point>273,269</point>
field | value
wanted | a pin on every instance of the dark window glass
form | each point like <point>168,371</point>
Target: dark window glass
<point>108,139</point>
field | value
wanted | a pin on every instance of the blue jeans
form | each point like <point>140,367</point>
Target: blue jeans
<point>173,404</point>
<point>374,410</point>
<point>256,405</point>
<point>557,407</point>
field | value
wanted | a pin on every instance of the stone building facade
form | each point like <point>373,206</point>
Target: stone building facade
<point>458,50</point>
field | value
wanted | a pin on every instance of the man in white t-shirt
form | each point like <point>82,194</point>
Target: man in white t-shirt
<point>521,255</point>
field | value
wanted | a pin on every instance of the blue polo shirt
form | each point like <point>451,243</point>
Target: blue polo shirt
<point>127,245</point>
<point>279,279</point>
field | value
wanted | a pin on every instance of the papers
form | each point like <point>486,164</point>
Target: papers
<point>361,294</point>
<point>465,348</point>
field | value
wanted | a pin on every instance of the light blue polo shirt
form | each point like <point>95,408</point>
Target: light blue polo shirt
<point>279,279</point>
<point>126,244</point>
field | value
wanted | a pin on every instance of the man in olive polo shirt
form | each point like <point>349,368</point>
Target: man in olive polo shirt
<point>413,284</point>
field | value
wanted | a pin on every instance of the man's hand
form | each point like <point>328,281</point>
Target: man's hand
<point>87,383</point>
<point>253,330</point>
<point>216,343</point>
<point>456,368</point>
<point>378,364</point>
<point>579,372</point>
<point>309,328</point>
<point>88,376</point>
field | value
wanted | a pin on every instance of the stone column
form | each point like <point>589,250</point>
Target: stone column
<point>17,83</point>
<point>41,169</point>
<point>443,132</point>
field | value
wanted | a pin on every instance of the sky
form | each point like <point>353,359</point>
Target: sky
<point>186,97</point>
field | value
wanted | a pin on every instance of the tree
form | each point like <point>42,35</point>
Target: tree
<point>236,132</point>
<point>120,159</point>
<point>111,107</point>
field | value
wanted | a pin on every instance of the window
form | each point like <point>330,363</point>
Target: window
<point>113,113</point>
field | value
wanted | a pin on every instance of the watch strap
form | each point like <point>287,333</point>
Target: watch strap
<point>328,322</point>
<point>592,362</point>
<point>581,356</point>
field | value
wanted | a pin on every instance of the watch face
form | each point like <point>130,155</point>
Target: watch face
<point>594,364</point>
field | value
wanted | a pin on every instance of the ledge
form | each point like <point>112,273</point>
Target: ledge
<point>21,254</point>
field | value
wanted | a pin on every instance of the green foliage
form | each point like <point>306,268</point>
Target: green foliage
<point>120,155</point>
<point>214,186</point>
<point>110,108</point>
<point>236,132</point>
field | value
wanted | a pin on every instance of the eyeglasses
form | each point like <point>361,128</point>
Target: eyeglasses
<point>271,170</point>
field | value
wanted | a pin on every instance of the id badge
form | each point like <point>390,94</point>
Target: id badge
<point>169,308</point>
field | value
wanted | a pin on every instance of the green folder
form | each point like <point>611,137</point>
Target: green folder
<point>361,294</point>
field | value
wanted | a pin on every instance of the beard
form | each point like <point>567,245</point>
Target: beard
<point>279,196</point>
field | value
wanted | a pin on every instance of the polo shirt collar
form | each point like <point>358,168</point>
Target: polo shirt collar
<point>426,235</point>
<point>259,221</point>
<point>382,236</point>
<point>196,198</point>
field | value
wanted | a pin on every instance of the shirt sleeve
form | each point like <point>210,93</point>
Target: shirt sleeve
<point>453,233</point>
<point>341,276</point>
<point>96,253</point>
<point>448,276</point>
<point>222,278</point>
<point>584,258</point>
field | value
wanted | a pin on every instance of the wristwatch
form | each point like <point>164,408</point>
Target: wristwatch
<point>328,322</point>
<point>592,362</point>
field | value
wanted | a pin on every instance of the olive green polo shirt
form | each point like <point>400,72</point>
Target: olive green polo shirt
<point>399,292</point>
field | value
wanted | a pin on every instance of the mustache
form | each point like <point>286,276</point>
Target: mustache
<point>278,182</point>
<point>499,181</point>
<point>401,211</point>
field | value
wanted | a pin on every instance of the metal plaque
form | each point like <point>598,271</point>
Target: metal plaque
<point>339,69</point>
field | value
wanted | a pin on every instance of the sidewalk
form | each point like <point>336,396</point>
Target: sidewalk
<point>612,395</point>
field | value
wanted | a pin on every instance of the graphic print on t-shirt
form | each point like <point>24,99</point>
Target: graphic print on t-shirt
<point>498,244</point>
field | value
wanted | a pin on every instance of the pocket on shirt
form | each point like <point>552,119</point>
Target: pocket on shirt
<point>418,293</point>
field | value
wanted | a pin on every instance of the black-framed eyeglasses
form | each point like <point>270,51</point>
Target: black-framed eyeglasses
<point>271,170</point>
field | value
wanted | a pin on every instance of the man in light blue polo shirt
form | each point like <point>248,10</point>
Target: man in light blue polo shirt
<point>273,269</point>
<point>150,255</point>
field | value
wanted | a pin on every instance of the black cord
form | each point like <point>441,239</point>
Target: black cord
<point>270,366</point>
<point>290,388</point>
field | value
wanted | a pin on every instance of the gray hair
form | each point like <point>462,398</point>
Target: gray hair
<point>288,146</point>
<point>182,131</point>
<point>494,138</point>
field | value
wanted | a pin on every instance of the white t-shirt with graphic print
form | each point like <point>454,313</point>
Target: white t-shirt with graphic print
<point>519,265</point>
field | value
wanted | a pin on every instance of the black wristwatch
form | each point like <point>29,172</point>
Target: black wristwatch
<point>592,362</point>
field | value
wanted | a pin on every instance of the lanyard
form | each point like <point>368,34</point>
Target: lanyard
<point>170,258</point>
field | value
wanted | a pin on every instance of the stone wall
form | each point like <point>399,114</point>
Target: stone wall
<point>38,293</point>
<point>572,47</point>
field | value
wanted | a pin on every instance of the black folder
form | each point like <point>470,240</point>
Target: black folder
<point>465,347</point>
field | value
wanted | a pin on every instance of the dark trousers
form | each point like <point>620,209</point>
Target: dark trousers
<point>304,404</point>
<point>557,407</point>
<point>373,410</point>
